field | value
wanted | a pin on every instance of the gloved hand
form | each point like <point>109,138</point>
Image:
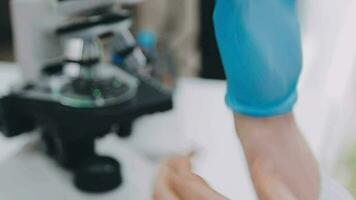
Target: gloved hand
<point>260,45</point>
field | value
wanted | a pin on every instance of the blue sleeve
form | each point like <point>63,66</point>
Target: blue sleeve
<point>260,45</point>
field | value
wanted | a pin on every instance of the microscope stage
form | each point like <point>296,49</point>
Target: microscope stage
<point>20,111</point>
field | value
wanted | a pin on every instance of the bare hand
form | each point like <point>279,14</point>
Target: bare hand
<point>176,181</point>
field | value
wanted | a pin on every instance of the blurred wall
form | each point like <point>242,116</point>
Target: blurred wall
<point>327,105</point>
<point>211,62</point>
<point>5,32</point>
<point>177,23</point>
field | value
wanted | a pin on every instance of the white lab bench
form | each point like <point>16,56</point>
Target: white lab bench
<point>200,120</point>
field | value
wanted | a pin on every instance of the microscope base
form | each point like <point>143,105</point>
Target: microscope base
<point>32,175</point>
<point>69,133</point>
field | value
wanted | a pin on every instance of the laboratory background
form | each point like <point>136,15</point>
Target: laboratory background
<point>157,91</point>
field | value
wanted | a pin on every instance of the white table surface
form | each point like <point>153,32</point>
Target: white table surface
<point>200,120</point>
<point>207,126</point>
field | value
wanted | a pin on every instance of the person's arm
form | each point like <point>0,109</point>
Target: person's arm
<point>281,164</point>
<point>260,45</point>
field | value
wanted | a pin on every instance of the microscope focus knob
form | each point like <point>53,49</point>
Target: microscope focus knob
<point>98,174</point>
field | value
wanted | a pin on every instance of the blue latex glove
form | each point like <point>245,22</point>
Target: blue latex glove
<point>260,46</point>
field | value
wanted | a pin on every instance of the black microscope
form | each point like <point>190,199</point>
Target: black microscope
<point>72,93</point>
